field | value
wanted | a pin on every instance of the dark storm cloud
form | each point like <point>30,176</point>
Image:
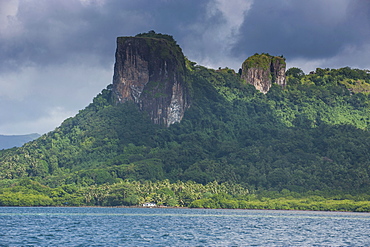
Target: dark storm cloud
<point>305,29</point>
<point>53,32</point>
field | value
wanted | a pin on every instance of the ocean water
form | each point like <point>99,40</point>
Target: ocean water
<point>31,226</point>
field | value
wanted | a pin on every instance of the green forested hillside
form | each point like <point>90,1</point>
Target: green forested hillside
<point>310,136</point>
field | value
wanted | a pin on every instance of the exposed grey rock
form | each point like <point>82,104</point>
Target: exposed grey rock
<point>151,72</point>
<point>264,70</point>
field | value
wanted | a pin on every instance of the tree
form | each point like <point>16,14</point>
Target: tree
<point>295,72</point>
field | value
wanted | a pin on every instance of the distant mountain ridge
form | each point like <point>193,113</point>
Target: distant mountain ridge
<point>10,141</point>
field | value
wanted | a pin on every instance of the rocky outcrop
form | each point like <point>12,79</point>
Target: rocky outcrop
<point>151,72</point>
<point>263,70</point>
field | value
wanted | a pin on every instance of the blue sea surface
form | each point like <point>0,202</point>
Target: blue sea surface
<point>31,226</point>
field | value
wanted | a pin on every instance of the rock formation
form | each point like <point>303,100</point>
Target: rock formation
<point>150,71</point>
<point>263,70</point>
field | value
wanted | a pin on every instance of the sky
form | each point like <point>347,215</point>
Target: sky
<point>57,55</point>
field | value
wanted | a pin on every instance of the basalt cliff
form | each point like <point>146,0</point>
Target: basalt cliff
<point>150,71</point>
<point>262,70</point>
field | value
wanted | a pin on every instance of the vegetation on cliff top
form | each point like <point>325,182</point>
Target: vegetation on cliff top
<point>163,46</point>
<point>262,61</point>
<point>153,35</point>
<point>310,137</point>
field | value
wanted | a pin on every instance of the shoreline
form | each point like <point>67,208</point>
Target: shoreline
<point>164,207</point>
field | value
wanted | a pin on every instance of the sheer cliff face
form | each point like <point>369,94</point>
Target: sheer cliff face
<point>151,72</point>
<point>263,70</point>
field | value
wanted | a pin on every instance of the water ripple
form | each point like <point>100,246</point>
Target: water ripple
<point>180,227</point>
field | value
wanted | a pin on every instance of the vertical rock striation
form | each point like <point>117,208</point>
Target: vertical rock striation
<point>263,70</point>
<point>151,72</point>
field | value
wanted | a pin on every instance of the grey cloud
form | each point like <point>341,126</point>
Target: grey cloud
<point>54,32</point>
<point>309,29</point>
<point>43,97</point>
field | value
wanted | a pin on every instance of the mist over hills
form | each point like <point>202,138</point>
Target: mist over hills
<point>9,141</point>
